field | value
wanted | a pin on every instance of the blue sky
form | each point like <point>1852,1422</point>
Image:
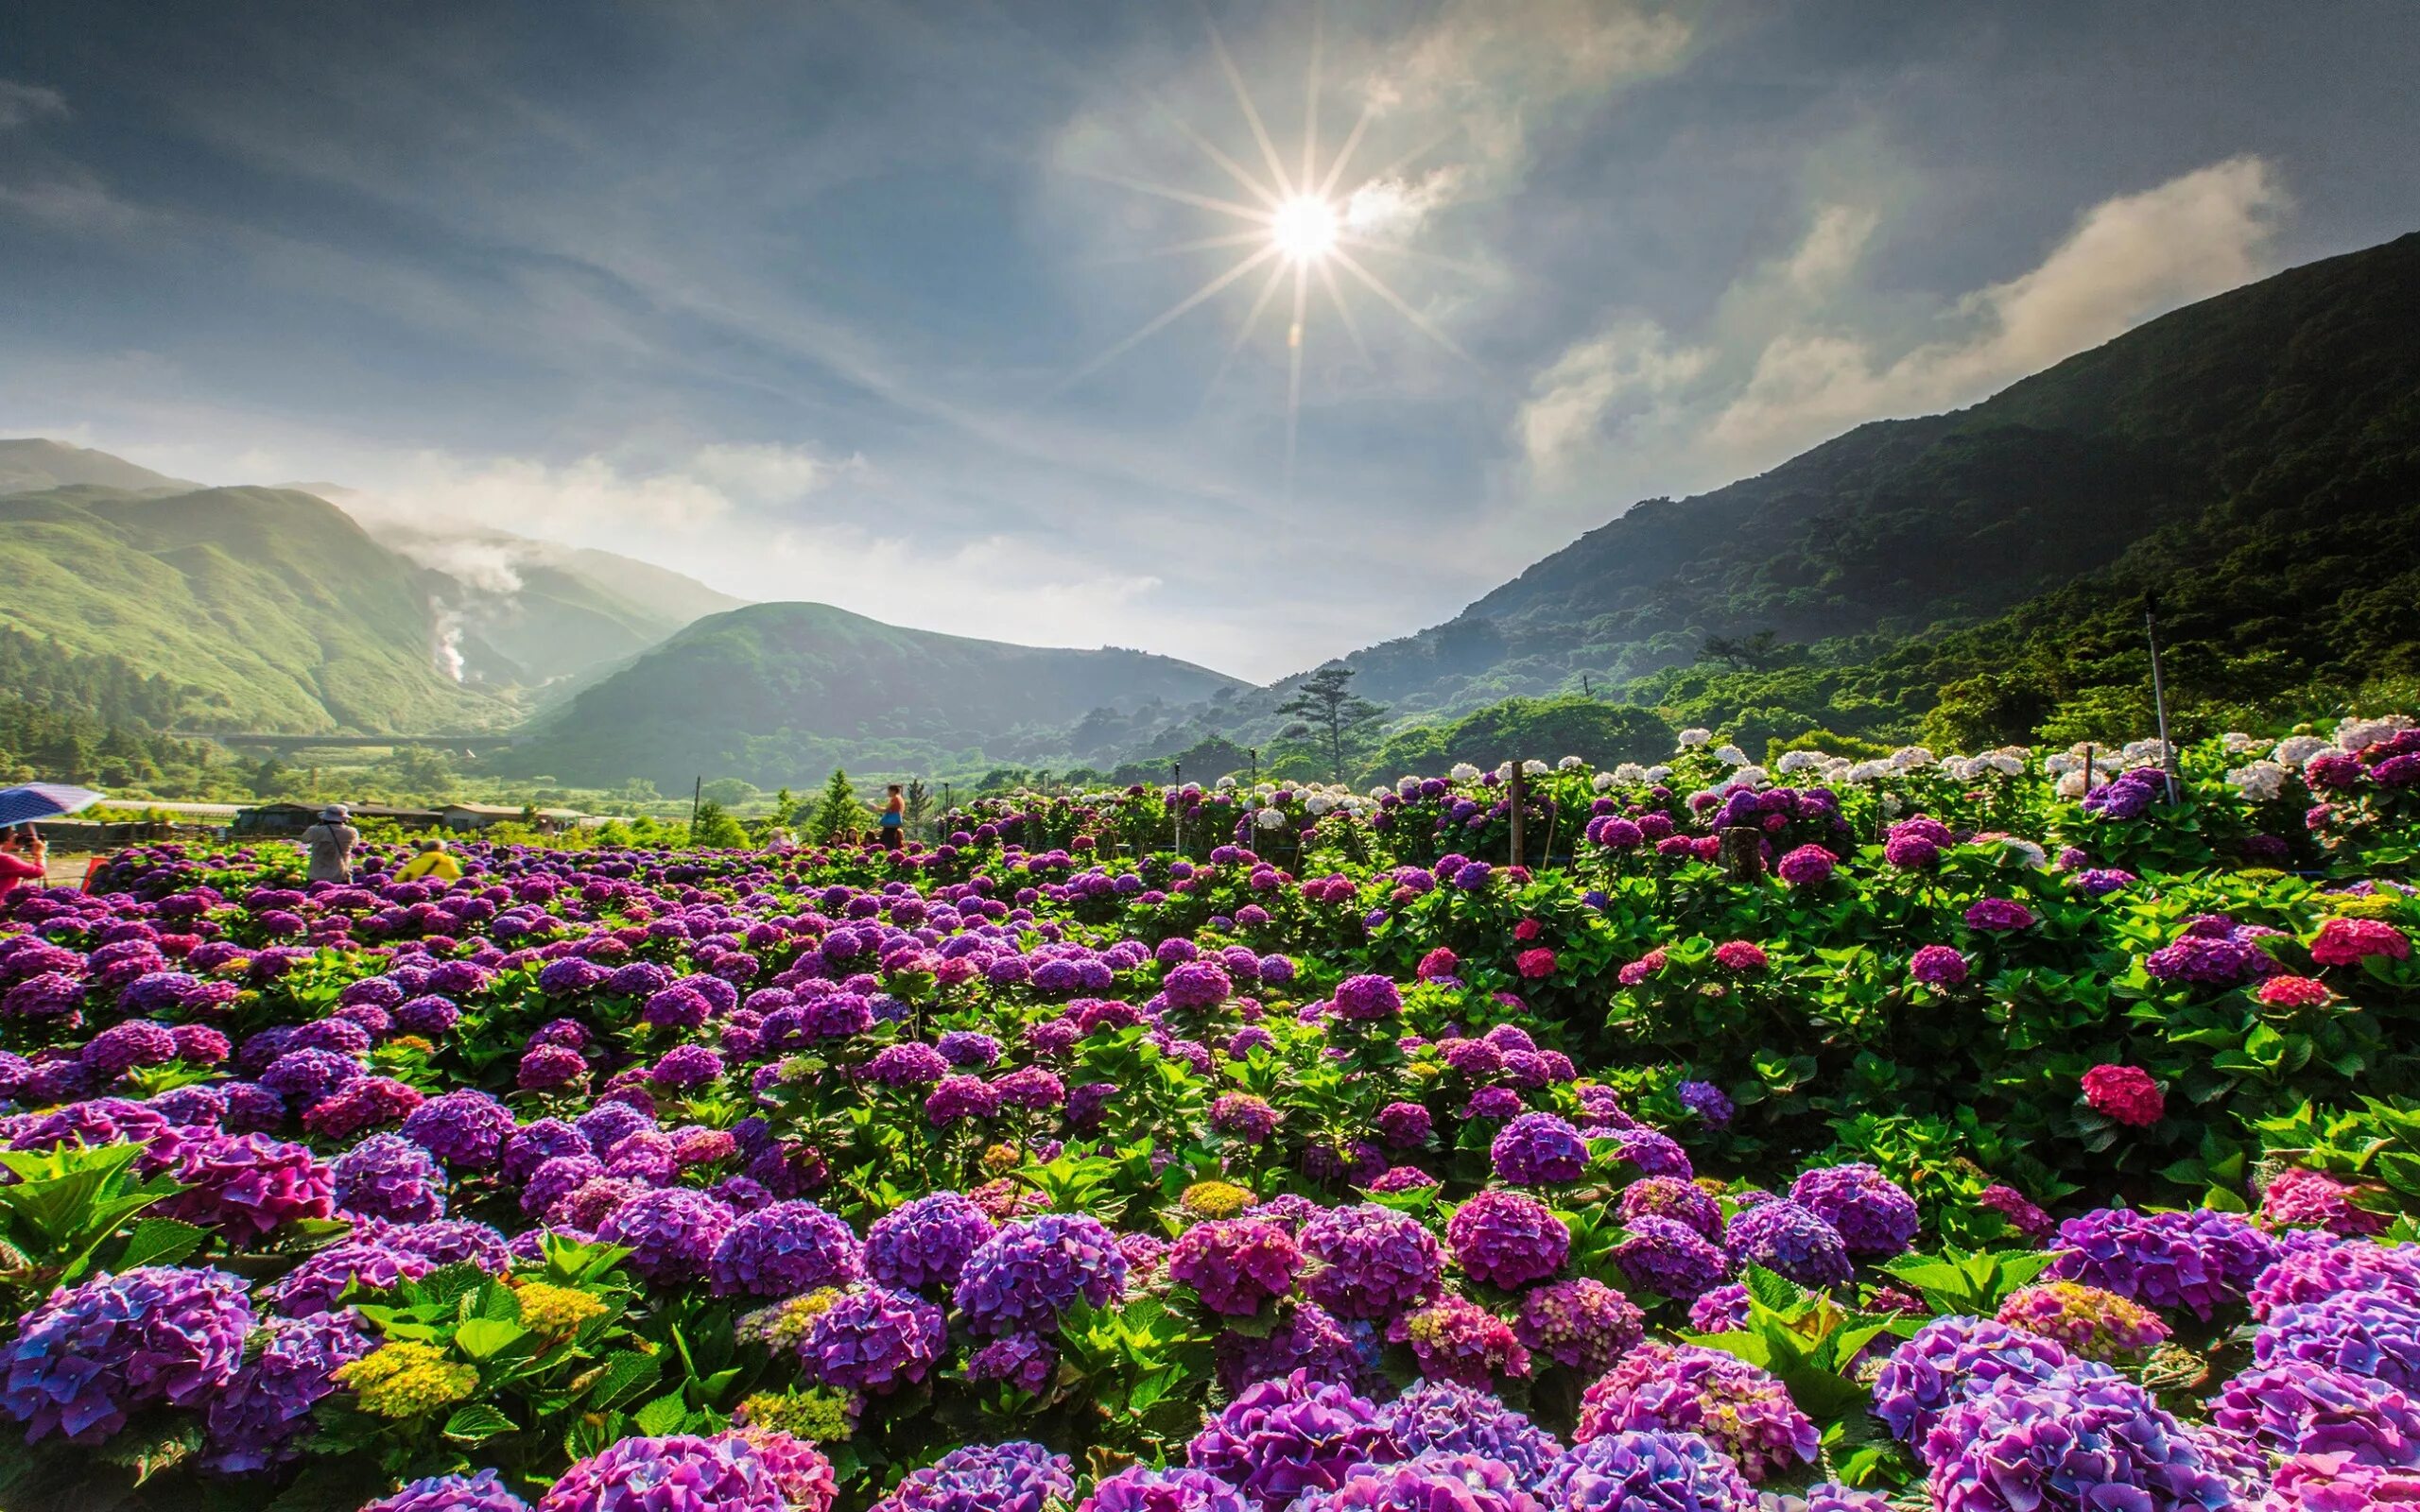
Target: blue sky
<point>811,301</point>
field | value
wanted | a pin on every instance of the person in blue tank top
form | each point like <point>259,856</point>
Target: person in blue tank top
<point>895,818</point>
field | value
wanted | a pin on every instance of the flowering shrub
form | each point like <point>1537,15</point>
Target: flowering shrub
<point>1986,1132</point>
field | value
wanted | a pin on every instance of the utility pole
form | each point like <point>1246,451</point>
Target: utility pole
<point>1520,788</point>
<point>697,797</point>
<point>2159,694</point>
<point>1176,805</point>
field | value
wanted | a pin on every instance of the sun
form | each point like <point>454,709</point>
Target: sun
<point>1304,227</point>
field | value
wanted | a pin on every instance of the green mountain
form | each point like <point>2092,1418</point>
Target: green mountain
<point>32,464</point>
<point>2254,458</point>
<point>779,693</point>
<point>274,609</point>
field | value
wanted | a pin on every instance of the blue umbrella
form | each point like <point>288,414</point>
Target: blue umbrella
<point>43,801</point>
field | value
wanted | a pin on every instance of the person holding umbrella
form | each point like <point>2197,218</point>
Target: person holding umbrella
<point>25,857</point>
<point>331,842</point>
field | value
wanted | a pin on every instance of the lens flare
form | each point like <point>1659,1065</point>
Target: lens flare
<point>1305,228</point>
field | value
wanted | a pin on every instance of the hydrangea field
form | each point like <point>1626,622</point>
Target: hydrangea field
<point>1988,1134</point>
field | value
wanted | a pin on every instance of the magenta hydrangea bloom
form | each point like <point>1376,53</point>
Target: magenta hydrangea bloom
<point>1012,1477</point>
<point>1369,1262</point>
<point>1454,1338</point>
<point>680,1473</point>
<point>388,1176</point>
<point>1141,1489</point>
<point>2339,1483</point>
<point>2363,1334</point>
<point>1507,1240</point>
<point>1938,965</point>
<point>319,1285</point>
<point>1430,1482</point>
<point>1021,1279</point>
<point>1366,999</point>
<point>1019,1360</point>
<point>1280,1438</point>
<point>2299,1408</point>
<point>926,1243</point>
<point>1536,1149</point>
<point>244,1185</point>
<point>1307,1337</point>
<point>465,1128</point>
<point>1874,1214</point>
<point>1236,1264</point>
<point>2313,1272</point>
<point>1579,1323</point>
<point>784,1249</point>
<point>1674,1197</point>
<point>89,1355</point>
<point>875,1340</point>
<point>1684,1388</point>
<point>1637,1470</point>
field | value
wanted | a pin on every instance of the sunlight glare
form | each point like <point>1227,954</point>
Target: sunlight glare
<point>1304,227</point>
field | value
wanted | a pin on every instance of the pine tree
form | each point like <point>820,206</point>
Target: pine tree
<point>1341,719</point>
<point>840,816</point>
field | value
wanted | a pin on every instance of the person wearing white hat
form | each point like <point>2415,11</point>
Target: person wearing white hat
<point>331,842</point>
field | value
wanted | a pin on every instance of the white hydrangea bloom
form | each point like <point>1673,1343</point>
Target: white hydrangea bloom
<point>2237,743</point>
<point>1630,772</point>
<point>1270,819</point>
<point>1730,756</point>
<point>1693,737</point>
<point>1571,763</point>
<point>2260,781</point>
<point>2354,734</point>
<point>1226,785</point>
<point>1799,760</point>
<point>1465,772</point>
<point>2062,763</point>
<point>1892,805</point>
<point>1603,781</point>
<point>1745,776</point>
<point>1869,771</point>
<point>1906,757</point>
<point>1405,786</point>
<point>2294,750</point>
<point>2034,855</point>
<point>1320,803</point>
<point>2071,784</point>
<point>2151,752</point>
<point>1656,774</point>
<point>2006,762</point>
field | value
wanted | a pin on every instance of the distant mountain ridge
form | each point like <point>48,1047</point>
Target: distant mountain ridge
<point>2143,463</point>
<point>777,693</point>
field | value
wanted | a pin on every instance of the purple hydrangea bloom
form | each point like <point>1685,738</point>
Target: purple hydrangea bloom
<point>1367,998</point>
<point>465,1128</point>
<point>255,1421</point>
<point>2308,1409</point>
<point>1934,1368</point>
<point>1236,1264</point>
<point>2363,1334</point>
<point>89,1355</point>
<point>1281,1438</point>
<point>784,1249</point>
<point>1668,1256</point>
<point>671,1233</point>
<point>1447,1418</point>
<point>318,1285</point>
<point>388,1176</point>
<point>1666,1196</point>
<point>482,1492</point>
<point>2314,1271</point>
<point>906,1065</point>
<point>1430,1482</point>
<point>1637,1470</point>
<point>1538,1148</point>
<point>926,1243</point>
<point>1580,1323</point>
<point>1021,1279</point>
<point>1789,1240</point>
<point>1019,1360</point>
<point>1012,1477</point>
<point>1369,1262</point>
<point>875,1340</point>
<point>244,1185</point>
<point>2085,1436</point>
<point>2203,1259</point>
<point>1874,1216</point>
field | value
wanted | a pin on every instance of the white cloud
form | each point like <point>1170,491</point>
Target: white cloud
<point>769,473</point>
<point>24,103</point>
<point>1636,408</point>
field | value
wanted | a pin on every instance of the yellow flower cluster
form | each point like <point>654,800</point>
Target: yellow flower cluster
<point>1217,1199</point>
<point>548,1309</point>
<point>780,1327</point>
<point>405,1379</point>
<point>999,1159</point>
<point>819,1415</point>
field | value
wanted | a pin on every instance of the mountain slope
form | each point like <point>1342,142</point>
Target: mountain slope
<point>776,692</point>
<point>32,464</point>
<point>2223,428</point>
<point>544,613</point>
<point>275,607</point>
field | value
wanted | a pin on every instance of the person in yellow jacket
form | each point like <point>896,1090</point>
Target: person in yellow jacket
<point>433,861</point>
